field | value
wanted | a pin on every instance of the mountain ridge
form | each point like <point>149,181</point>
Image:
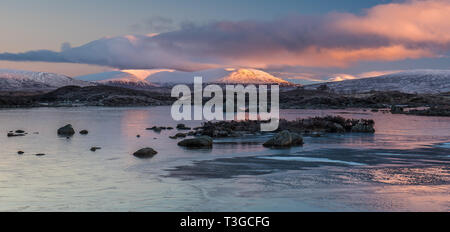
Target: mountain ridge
<point>412,81</point>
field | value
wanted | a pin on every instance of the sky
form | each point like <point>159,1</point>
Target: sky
<point>299,39</point>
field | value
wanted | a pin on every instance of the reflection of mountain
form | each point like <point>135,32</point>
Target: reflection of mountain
<point>415,81</point>
<point>17,80</point>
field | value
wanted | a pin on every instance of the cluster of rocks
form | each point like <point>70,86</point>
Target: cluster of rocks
<point>328,124</point>
<point>159,128</point>
<point>315,125</point>
<point>68,130</point>
<point>442,111</point>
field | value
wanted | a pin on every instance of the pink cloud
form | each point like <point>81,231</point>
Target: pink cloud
<point>387,32</point>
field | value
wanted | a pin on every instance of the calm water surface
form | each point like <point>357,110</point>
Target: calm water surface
<point>404,166</point>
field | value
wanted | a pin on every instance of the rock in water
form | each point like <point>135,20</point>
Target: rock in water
<point>199,142</point>
<point>40,154</point>
<point>396,109</point>
<point>363,128</point>
<point>145,153</point>
<point>12,134</point>
<point>20,152</point>
<point>285,139</point>
<point>66,130</point>
<point>182,127</point>
<point>93,149</point>
<point>84,132</point>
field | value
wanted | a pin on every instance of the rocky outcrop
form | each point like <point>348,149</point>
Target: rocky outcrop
<point>285,139</point>
<point>310,126</point>
<point>66,130</point>
<point>198,142</point>
<point>145,153</point>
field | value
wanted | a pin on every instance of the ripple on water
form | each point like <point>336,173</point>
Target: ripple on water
<point>309,159</point>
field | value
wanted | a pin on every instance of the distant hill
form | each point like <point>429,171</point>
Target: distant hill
<point>414,81</point>
<point>18,80</point>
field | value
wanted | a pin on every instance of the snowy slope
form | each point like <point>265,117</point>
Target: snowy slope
<point>124,78</point>
<point>414,81</point>
<point>251,76</point>
<point>209,75</point>
<point>18,80</point>
<point>229,75</point>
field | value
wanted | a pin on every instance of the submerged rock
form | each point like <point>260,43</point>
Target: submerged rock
<point>145,153</point>
<point>66,130</point>
<point>285,139</point>
<point>199,142</point>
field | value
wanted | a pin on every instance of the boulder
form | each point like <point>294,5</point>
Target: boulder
<point>198,142</point>
<point>145,153</point>
<point>93,149</point>
<point>66,130</point>
<point>285,139</point>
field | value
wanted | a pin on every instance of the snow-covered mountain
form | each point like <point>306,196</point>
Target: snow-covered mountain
<point>123,78</point>
<point>18,80</point>
<point>220,75</point>
<point>167,76</point>
<point>414,81</point>
<point>251,76</point>
<point>210,75</point>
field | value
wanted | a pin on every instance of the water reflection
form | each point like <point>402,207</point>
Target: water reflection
<point>403,166</point>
